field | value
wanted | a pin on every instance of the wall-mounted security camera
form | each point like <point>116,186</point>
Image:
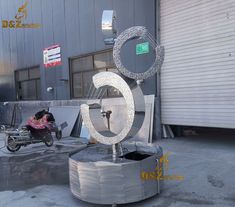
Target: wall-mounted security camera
<point>50,89</point>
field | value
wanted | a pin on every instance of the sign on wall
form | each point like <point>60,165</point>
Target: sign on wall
<point>142,48</point>
<point>52,56</point>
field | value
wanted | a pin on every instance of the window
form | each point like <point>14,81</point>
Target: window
<point>83,68</point>
<point>28,86</point>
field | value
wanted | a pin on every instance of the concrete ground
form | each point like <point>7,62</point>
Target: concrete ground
<point>206,162</point>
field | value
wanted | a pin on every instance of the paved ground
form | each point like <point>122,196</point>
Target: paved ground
<point>206,162</point>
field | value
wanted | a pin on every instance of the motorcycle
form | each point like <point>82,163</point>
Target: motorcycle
<point>37,130</point>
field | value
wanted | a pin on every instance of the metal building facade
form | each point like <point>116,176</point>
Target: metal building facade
<point>73,24</point>
<point>198,75</point>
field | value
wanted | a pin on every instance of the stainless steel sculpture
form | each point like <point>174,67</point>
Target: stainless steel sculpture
<point>95,178</point>
<point>134,103</point>
<point>128,35</point>
<point>100,174</point>
<point>108,26</point>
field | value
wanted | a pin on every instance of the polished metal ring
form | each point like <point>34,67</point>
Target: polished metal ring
<point>135,105</point>
<point>127,35</point>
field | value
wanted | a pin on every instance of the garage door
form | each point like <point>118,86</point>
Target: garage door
<point>198,75</point>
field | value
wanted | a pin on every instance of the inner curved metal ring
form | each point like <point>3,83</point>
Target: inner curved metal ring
<point>134,102</point>
<point>127,35</point>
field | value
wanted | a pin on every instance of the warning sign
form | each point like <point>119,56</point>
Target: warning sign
<point>52,56</point>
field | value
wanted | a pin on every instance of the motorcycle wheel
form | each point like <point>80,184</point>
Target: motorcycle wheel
<point>11,145</point>
<point>49,140</point>
<point>58,134</point>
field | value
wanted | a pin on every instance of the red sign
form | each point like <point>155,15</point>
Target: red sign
<point>52,56</point>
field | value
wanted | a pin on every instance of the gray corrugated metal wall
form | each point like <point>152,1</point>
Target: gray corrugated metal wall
<point>198,75</point>
<point>74,24</point>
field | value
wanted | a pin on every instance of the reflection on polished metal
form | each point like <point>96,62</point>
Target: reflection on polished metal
<point>117,119</point>
<point>134,103</point>
<point>108,26</point>
<point>128,35</point>
<point>95,178</point>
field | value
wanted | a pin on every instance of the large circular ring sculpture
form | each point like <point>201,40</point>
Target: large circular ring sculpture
<point>103,177</point>
<point>135,108</point>
<point>129,34</point>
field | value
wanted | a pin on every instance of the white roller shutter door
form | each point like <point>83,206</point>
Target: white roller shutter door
<point>198,74</point>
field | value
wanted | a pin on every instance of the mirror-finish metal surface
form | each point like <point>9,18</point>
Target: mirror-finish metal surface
<point>108,24</point>
<point>95,178</point>
<point>135,108</point>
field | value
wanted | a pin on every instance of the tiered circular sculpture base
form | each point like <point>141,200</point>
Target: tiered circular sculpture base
<point>96,178</point>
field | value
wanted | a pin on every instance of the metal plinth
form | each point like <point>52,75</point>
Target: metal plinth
<point>96,178</point>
